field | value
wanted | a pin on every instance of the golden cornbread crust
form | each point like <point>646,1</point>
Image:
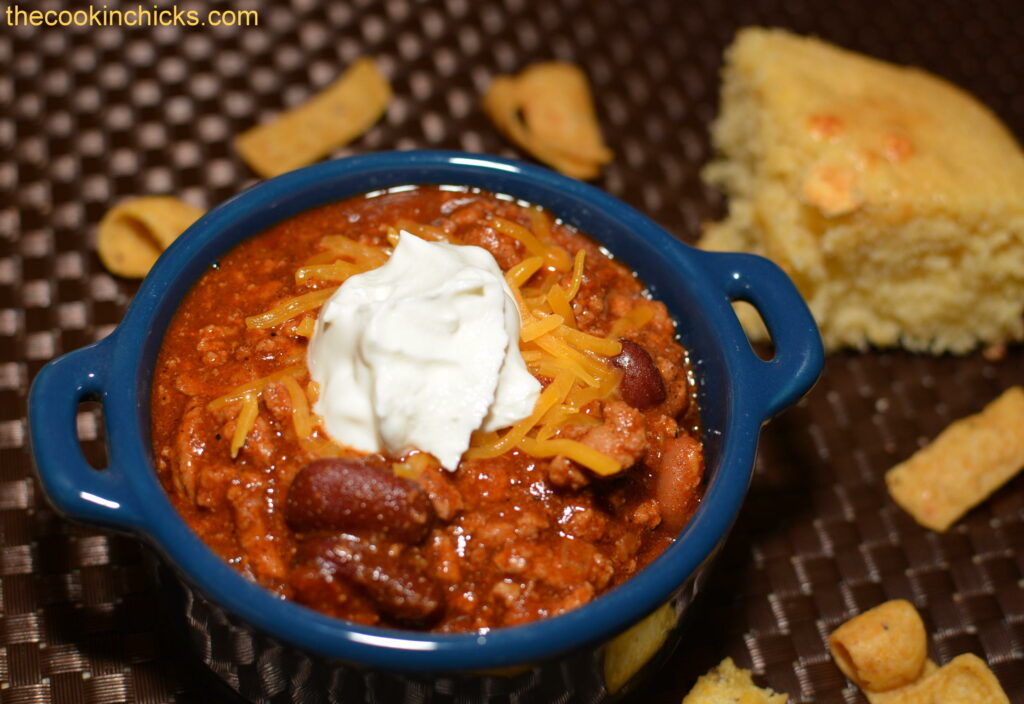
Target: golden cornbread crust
<point>893,199</point>
<point>728,684</point>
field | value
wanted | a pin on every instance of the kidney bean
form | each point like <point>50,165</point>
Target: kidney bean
<point>343,494</point>
<point>318,589</point>
<point>641,385</point>
<point>679,474</point>
<point>394,581</point>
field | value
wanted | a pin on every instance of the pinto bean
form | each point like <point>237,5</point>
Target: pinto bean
<point>641,385</point>
<point>396,583</point>
<point>679,474</point>
<point>343,494</point>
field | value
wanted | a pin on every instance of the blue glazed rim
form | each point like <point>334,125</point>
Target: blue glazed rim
<point>117,370</point>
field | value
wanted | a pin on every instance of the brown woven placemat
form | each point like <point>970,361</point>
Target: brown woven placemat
<point>92,115</point>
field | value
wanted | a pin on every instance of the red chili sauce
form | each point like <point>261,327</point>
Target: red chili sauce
<point>497,542</point>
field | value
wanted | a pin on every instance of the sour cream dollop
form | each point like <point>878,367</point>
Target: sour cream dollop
<point>421,352</point>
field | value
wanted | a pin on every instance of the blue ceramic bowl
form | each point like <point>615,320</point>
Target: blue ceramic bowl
<point>738,393</point>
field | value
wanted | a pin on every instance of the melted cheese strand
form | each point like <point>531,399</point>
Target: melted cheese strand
<point>256,386</point>
<point>577,274</point>
<point>633,320</point>
<point>525,316</point>
<point>554,365</point>
<point>290,308</point>
<point>246,421</point>
<point>516,231</point>
<point>550,428</point>
<point>559,303</point>
<point>590,343</point>
<point>301,417</point>
<point>585,455</point>
<point>579,397</point>
<point>426,232</point>
<point>362,253</point>
<point>305,328</point>
<point>597,370</point>
<point>321,258</point>
<point>338,271</point>
<point>541,225</point>
<point>521,272</point>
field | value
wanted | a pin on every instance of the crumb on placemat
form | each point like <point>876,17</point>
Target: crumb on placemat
<point>728,684</point>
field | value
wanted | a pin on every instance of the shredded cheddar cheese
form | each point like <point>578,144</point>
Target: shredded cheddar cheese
<point>249,394</point>
<point>555,393</point>
<point>589,343</point>
<point>551,343</point>
<point>254,387</point>
<point>543,326</point>
<point>580,397</point>
<point>589,370</point>
<point>426,232</point>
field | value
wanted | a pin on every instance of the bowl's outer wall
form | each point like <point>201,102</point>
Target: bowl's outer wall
<point>732,399</point>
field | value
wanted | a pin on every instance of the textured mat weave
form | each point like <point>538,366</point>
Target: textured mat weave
<point>92,115</point>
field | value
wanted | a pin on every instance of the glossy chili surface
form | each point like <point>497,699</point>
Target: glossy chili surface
<point>498,542</point>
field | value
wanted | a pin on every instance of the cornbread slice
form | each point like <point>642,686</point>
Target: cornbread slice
<point>893,199</point>
<point>728,684</point>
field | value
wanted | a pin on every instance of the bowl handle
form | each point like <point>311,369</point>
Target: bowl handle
<point>77,490</point>
<point>799,356</point>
